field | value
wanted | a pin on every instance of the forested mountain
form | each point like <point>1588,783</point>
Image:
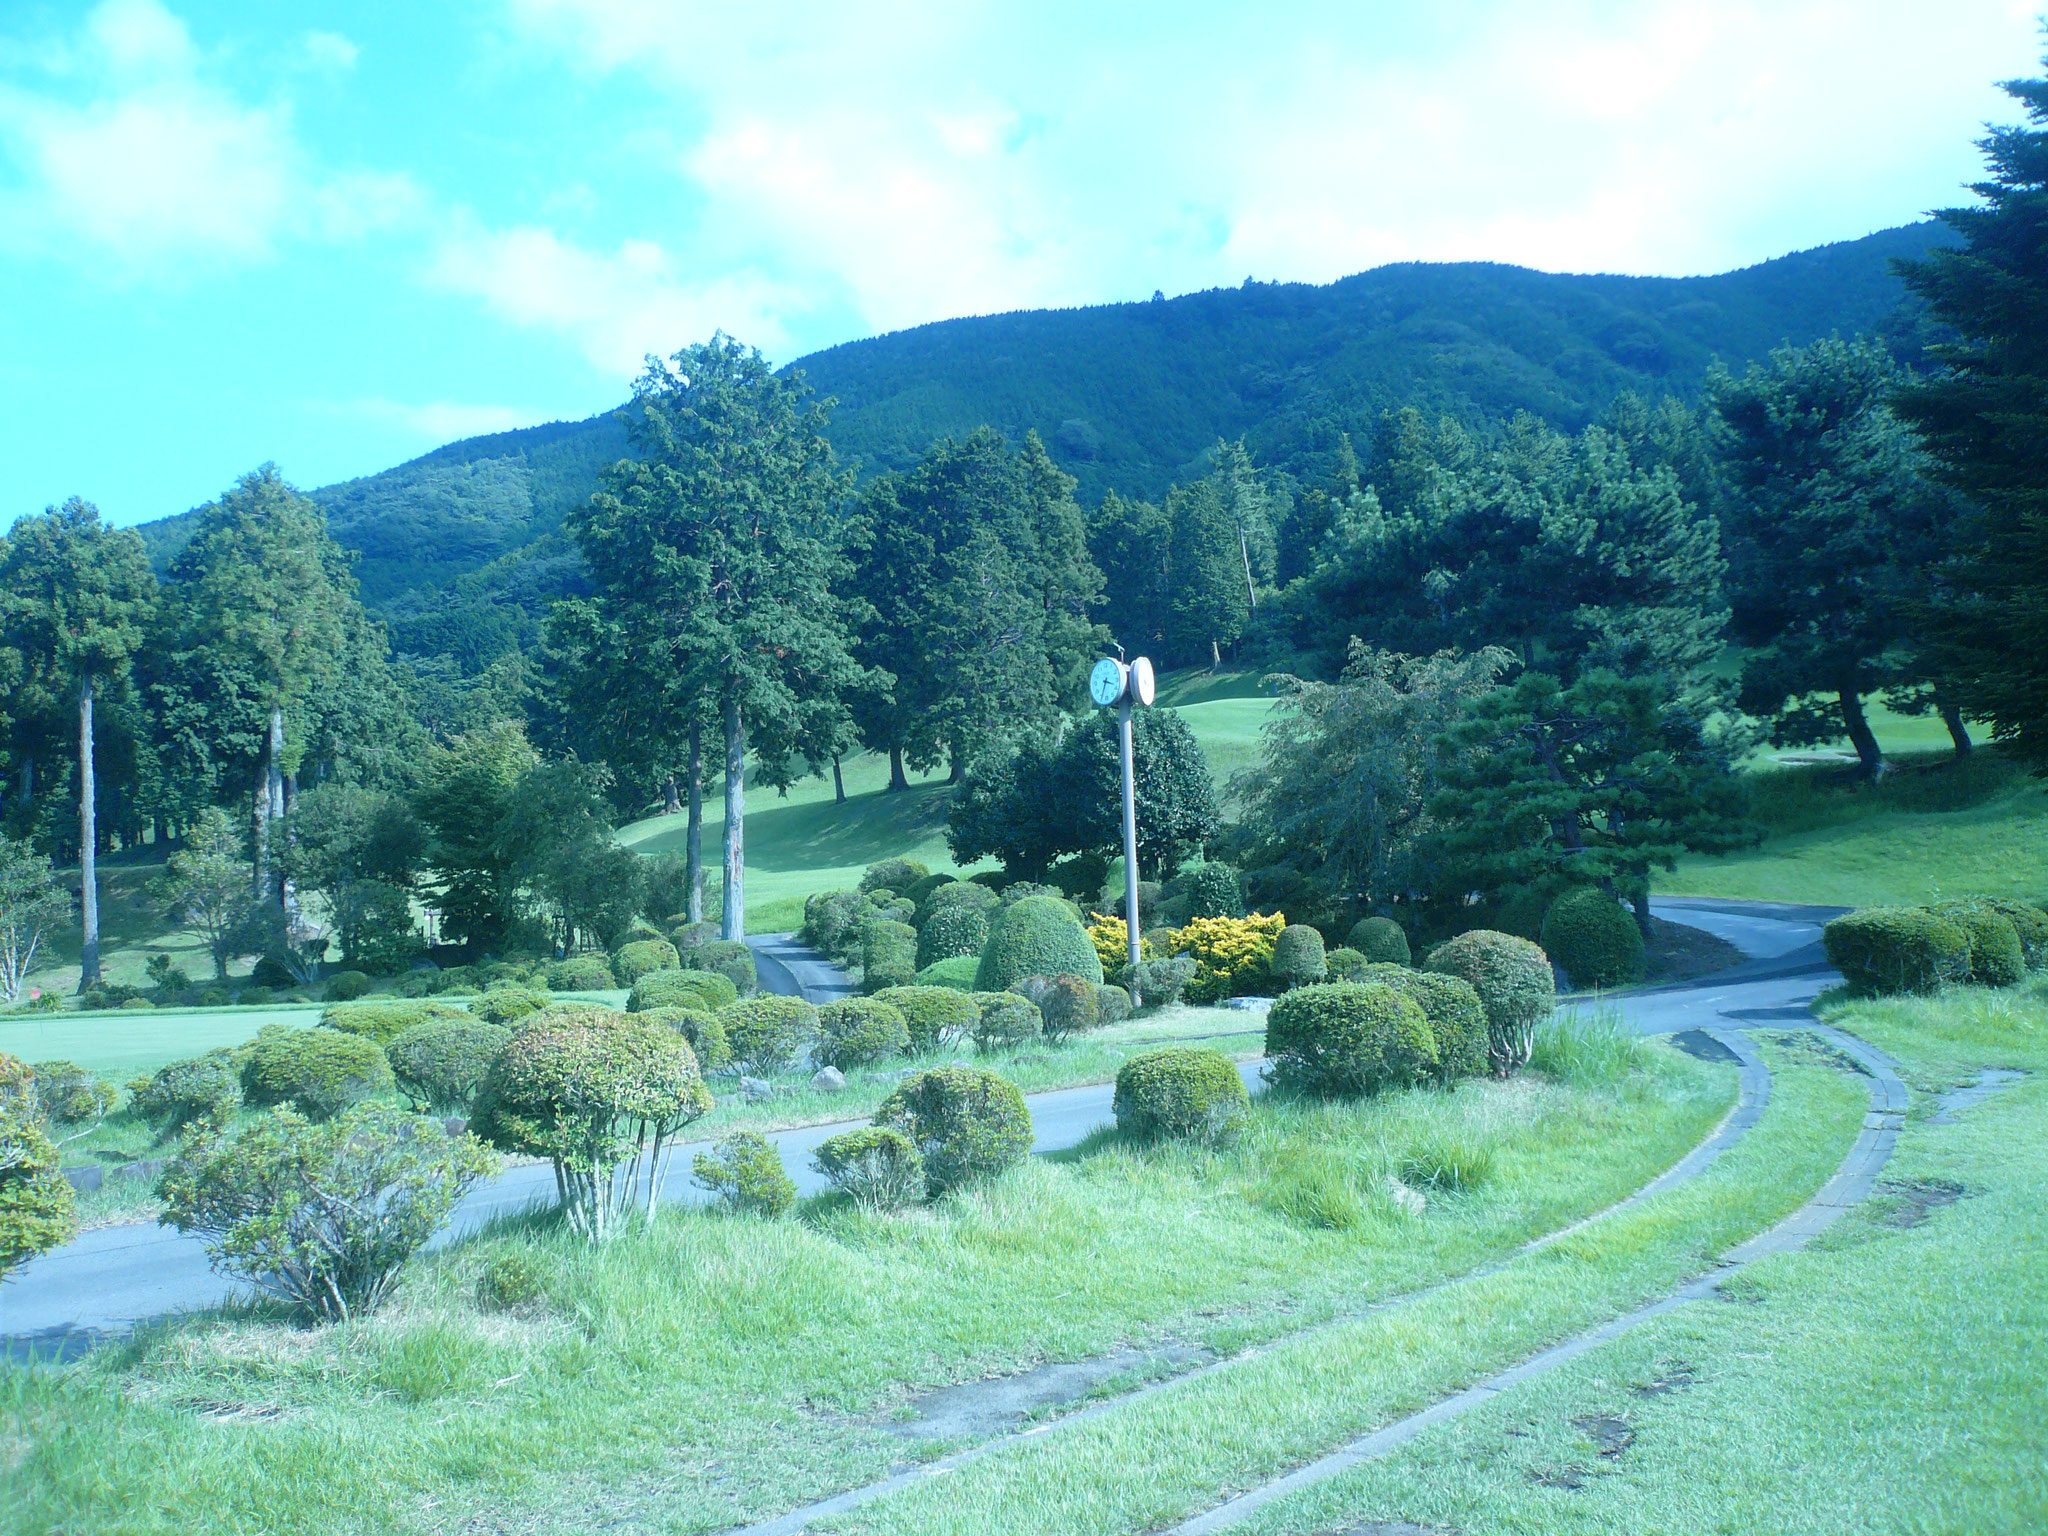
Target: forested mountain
<point>461,549</point>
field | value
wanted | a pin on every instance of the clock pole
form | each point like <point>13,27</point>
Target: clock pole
<point>1123,729</point>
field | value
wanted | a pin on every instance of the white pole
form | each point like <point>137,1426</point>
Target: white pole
<point>1123,720</point>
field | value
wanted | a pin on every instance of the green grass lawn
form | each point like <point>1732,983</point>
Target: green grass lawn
<point>118,1043</point>
<point>710,1368</point>
<point>1887,1379</point>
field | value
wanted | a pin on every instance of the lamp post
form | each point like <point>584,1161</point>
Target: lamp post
<point>1115,683</point>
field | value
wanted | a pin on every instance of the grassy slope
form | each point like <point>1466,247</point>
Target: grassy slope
<point>1885,1380</point>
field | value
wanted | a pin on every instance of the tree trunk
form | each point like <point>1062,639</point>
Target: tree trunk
<point>1959,733</point>
<point>1869,757</point>
<point>88,844</point>
<point>898,779</point>
<point>1639,902</point>
<point>838,782</point>
<point>260,837</point>
<point>693,839</point>
<point>275,782</point>
<point>733,920</point>
<point>1215,656</point>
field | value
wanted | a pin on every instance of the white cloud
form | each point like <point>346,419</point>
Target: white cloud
<point>440,421</point>
<point>330,50</point>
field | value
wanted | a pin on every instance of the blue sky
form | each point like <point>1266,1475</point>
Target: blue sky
<point>337,235</point>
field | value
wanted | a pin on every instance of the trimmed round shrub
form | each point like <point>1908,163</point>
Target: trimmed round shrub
<point>203,1090</point>
<point>1298,958</point>
<point>1038,936</point>
<point>1594,938</point>
<point>1213,890</point>
<point>729,958</point>
<point>934,1016</point>
<point>877,1167</point>
<point>1066,1005</point>
<point>1381,940</point>
<point>707,990</point>
<point>37,1208</point>
<point>582,973</point>
<point>957,973</point>
<point>248,997</point>
<point>384,1022</point>
<point>1161,982</point>
<point>1114,1003</point>
<point>968,895</point>
<point>636,959</point>
<point>1515,987</point>
<point>1344,965</point>
<point>441,1065</point>
<point>1006,1021</point>
<point>2030,924</point>
<point>901,910</point>
<point>767,1033</point>
<point>1180,1092</point>
<point>70,1096</point>
<point>893,875</point>
<point>272,973</point>
<point>686,935</point>
<point>966,1123</point>
<point>347,986</point>
<point>832,921</point>
<point>951,931</point>
<point>1348,1038</point>
<point>1457,1019</point>
<point>860,1030</point>
<point>745,1172</point>
<point>508,1005</point>
<point>918,891</point>
<point>1996,958</point>
<point>321,1072</point>
<point>1882,950</point>
<point>888,955</point>
<point>704,1031</point>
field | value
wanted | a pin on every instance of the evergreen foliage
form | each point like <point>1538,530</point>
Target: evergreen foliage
<point>1348,1038</point>
<point>1037,936</point>
<point>1180,1092</point>
<point>1587,932</point>
<point>967,1124</point>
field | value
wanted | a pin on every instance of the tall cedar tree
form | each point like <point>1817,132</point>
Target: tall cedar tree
<point>713,553</point>
<point>464,800</point>
<point>76,598</point>
<point>1984,418</point>
<point>1832,521</point>
<point>1219,550</point>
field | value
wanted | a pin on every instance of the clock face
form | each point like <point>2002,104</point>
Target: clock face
<point>1141,681</point>
<point>1106,682</point>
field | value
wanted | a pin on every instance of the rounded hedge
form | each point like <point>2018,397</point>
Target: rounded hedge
<point>441,1065</point>
<point>1996,957</point>
<point>1213,890</point>
<point>877,1166</point>
<point>858,1031</point>
<point>319,1071</point>
<point>1180,1092</point>
<point>1882,950</point>
<point>707,990</point>
<point>2030,923</point>
<point>1515,985</point>
<point>888,955</point>
<point>966,1123</point>
<point>1381,940</point>
<point>582,973</point>
<point>1298,958</point>
<point>1344,965</point>
<point>636,959</point>
<point>767,1033</point>
<point>704,1031</point>
<point>934,1016</point>
<point>919,891</point>
<point>508,1005</point>
<point>1006,1021</point>
<point>384,1022</point>
<point>347,986</point>
<point>37,1208</point>
<point>968,895</point>
<point>1159,982</point>
<point>1457,1019</point>
<point>956,974</point>
<point>730,959</point>
<point>69,1095</point>
<point>205,1088</point>
<point>1347,1038</point>
<point>1114,1003</point>
<point>832,921</point>
<point>893,875</point>
<point>1596,941</point>
<point>1066,1005</point>
<point>1037,936</point>
<point>951,931</point>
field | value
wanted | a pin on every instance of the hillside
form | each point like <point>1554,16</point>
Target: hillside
<point>461,550</point>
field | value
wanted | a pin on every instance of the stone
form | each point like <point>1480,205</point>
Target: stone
<point>828,1080</point>
<point>1410,1202</point>
<point>755,1089</point>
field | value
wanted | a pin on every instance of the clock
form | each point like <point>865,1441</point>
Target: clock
<point>1141,681</point>
<point>1106,682</point>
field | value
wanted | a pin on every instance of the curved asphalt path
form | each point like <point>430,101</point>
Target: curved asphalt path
<point>106,1281</point>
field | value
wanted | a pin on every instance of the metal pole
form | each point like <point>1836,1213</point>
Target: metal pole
<point>1123,725</point>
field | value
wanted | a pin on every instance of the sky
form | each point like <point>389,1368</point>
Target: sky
<point>337,235</point>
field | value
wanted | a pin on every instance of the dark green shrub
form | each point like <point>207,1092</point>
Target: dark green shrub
<point>686,935</point>
<point>707,990</point>
<point>1882,950</point>
<point>71,1097</point>
<point>203,1090</point>
<point>272,973</point>
<point>1515,987</point>
<point>1457,1019</point>
<point>1006,1021</point>
<point>508,1005</point>
<point>1996,956</point>
<point>704,1031</point>
<point>957,973</point>
<point>888,955</point>
<point>1347,1038</point>
<point>2030,924</point>
<point>1113,1002</point>
<point>319,1071</point>
<point>636,959</point>
<point>1594,938</point>
<point>582,973</point>
<point>934,1016</point>
<point>512,1280</point>
<point>1038,936</point>
<point>1066,1005</point>
<point>1180,1092</point>
<point>745,1172</point>
<point>767,1033</point>
<point>38,1212</point>
<point>832,922</point>
<point>893,875</point>
<point>858,1031</point>
<point>900,911</point>
<point>880,1169</point>
<point>730,958</point>
<point>322,1215</point>
<point>441,1065</point>
<point>967,1124</point>
<point>951,931</point>
<point>1298,958</point>
<point>248,997</point>
<point>384,1021</point>
<point>1344,965</point>
<point>919,891</point>
<point>1212,890</point>
<point>347,986</point>
<point>1160,982</point>
<point>1381,940</point>
<point>968,895</point>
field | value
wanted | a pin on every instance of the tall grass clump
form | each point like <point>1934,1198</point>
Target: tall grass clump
<point>1588,1048</point>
